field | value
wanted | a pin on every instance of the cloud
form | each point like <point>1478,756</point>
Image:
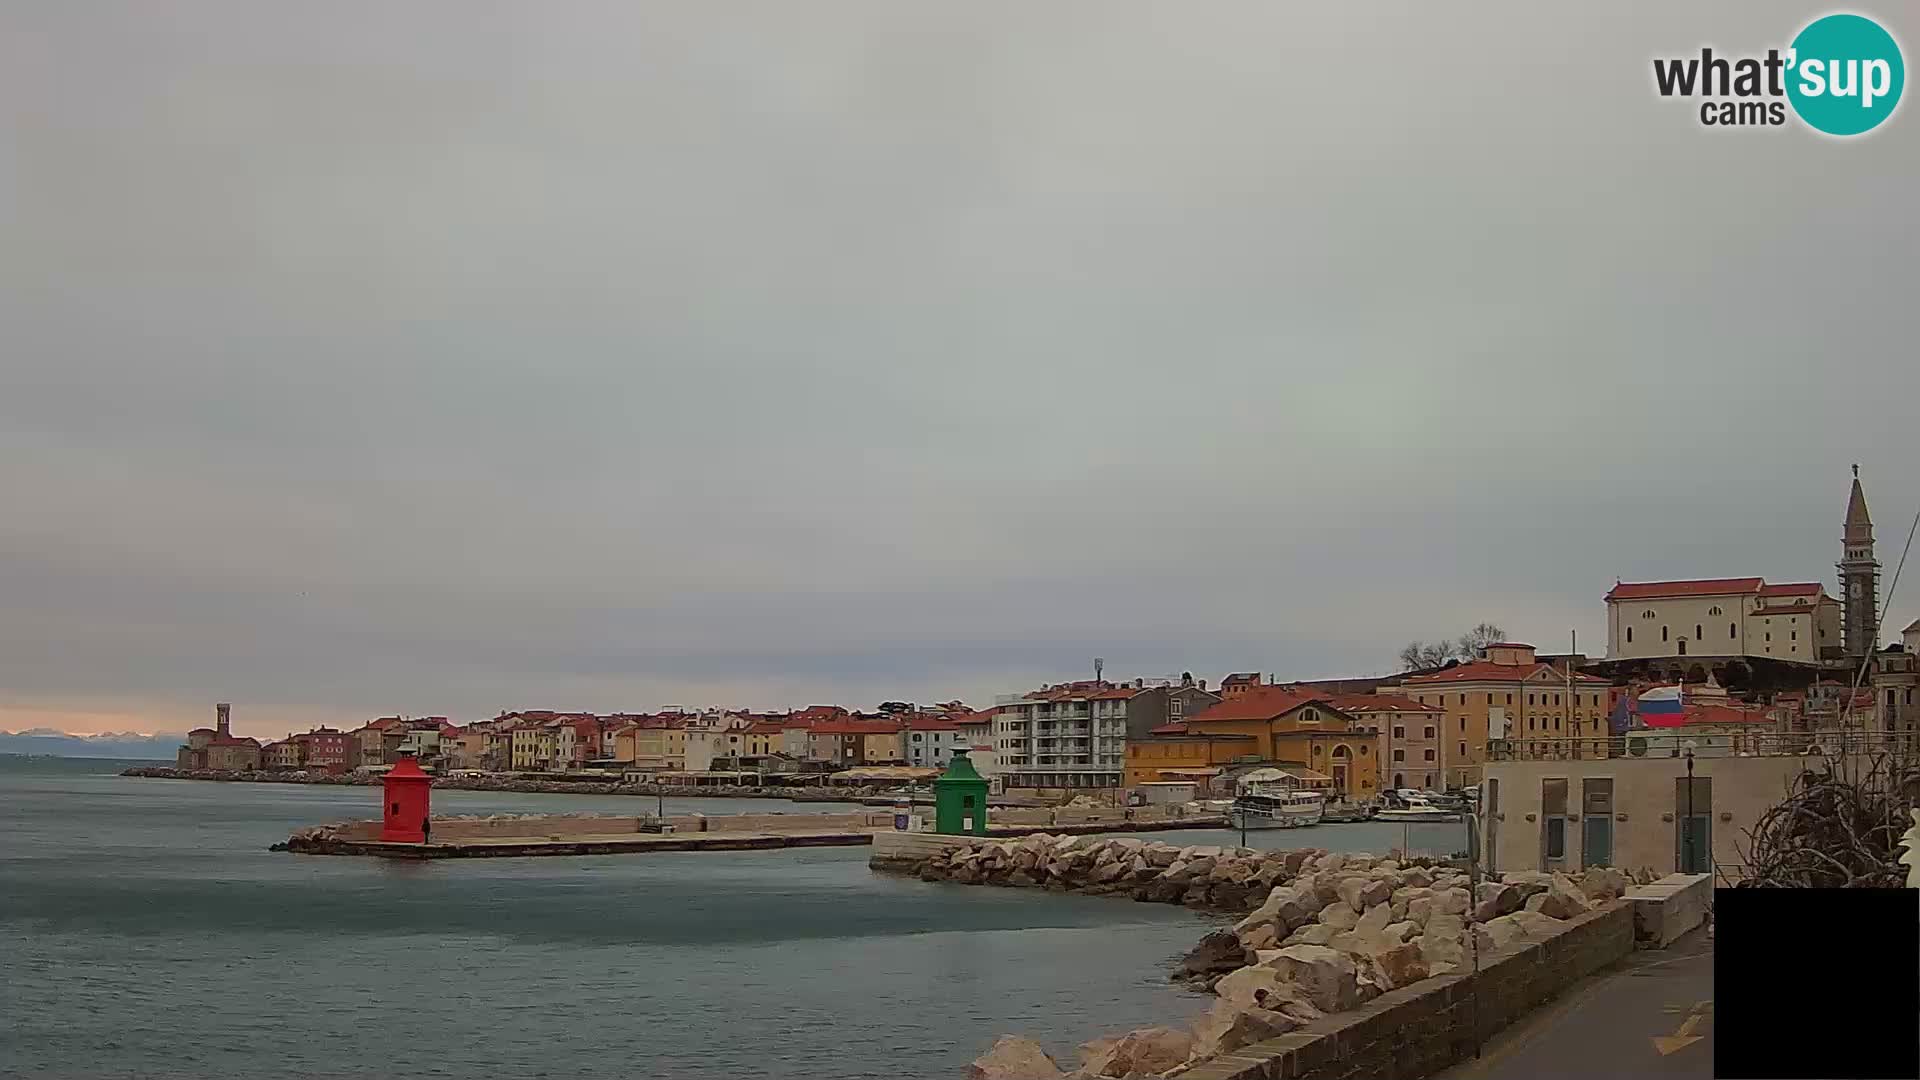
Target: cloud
<point>445,360</point>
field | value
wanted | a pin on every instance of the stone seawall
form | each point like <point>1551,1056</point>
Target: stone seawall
<point>1325,935</point>
<point>839,793</point>
<point>1422,1028</point>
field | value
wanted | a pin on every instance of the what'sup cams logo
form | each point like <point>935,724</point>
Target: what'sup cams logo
<point>1842,75</point>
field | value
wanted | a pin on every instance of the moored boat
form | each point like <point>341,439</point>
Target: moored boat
<point>1280,810</point>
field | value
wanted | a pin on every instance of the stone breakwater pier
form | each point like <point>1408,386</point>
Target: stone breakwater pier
<point>1340,965</point>
<point>519,836</point>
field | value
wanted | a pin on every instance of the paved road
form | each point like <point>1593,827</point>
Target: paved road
<point>1651,1016</point>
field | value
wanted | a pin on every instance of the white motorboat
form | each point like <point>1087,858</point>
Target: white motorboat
<point>1279,810</point>
<point>1415,807</point>
<point>1416,814</point>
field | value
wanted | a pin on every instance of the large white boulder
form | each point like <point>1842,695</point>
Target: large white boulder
<point>1327,975</point>
<point>1014,1058</point>
<point>1338,915</point>
<point>1146,1052</point>
<point>1604,883</point>
<point>1228,1027</point>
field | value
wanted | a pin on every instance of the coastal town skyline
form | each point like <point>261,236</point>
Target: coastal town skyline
<point>1891,619</point>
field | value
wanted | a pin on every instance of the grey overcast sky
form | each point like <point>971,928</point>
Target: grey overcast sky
<point>451,357</point>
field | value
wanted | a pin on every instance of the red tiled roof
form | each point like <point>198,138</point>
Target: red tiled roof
<point>1239,677</point>
<point>984,716</point>
<point>1792,588</point>
<point>1706,714</point>
<point>1651,590</point>
<point>856,727</point>
<point>1263,703</point>
<point>1378,703</point>
<point>931,723</point>
<point>1177,727</point>
<point>766,727</point>
<point>1488,671</point>
<point>1085,689</point>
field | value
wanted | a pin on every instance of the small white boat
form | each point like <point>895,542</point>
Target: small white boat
<point>1416,814</point>
<point>1281,810</point>
<point>1415,808</point>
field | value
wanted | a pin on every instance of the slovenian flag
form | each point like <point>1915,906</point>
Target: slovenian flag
<point>1660,701</point>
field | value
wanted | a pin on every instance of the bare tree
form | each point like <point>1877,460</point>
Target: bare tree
<point>1432,654</point>
<point>1475,641</point>
<point>1425,654</point>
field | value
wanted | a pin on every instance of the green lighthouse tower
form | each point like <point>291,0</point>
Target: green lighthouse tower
<point>960,799</point>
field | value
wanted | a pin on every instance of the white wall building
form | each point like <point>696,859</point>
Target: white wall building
<point>1722,617</point>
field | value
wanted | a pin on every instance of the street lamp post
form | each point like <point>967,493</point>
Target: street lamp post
<point>1686,819</point>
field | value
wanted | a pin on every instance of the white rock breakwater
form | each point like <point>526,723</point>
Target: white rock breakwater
<point>1324,932</point>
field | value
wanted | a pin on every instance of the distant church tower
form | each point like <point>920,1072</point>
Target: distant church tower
<point>1859,578</point>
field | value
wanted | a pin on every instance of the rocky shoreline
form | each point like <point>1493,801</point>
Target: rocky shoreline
<point>848,793</point>
<point>1322,933</point>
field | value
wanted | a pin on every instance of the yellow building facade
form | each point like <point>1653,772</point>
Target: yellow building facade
<point>1509,695</point>
<point>1292,727</point>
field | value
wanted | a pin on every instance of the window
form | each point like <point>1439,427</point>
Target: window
<point>1629,635</point>
<point>1715,610</point>
<point>1463,751</point>
<point>1793,635</point>
<point>1647,614</point>
<point>1429,753</point>
<point>1489,699</point>
<point>1663,633</point>
<point>1463,723</point>
<point>1530,723</point>
<point>1529,699</point>
<point>1698,635</point>
<point>1769,635</point>
<point>1399,755</point>
<point>1463,699</point>
<point>1509,699</point>
<point>1430,732</point>
<point>1399,732</point>
<point>1363,749</point>
<point>1553,818</point>
<point>1732,631</point>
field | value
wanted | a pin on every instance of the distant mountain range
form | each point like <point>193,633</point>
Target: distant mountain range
<point>109,744</point>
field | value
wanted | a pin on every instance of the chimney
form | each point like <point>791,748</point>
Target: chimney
<point>220,713</point>
<point>1203,684</point>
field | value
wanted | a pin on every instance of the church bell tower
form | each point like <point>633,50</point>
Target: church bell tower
<point>1859,578</point>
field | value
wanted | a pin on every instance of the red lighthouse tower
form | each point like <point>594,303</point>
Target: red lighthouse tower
<point>407,805</point>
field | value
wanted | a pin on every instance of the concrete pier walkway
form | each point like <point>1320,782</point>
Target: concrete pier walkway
<point>1651,1015</point>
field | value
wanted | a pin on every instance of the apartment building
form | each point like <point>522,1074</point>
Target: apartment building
<point>1073,735</point>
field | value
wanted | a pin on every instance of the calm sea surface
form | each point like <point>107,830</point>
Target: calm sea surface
<point>147,931</point>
